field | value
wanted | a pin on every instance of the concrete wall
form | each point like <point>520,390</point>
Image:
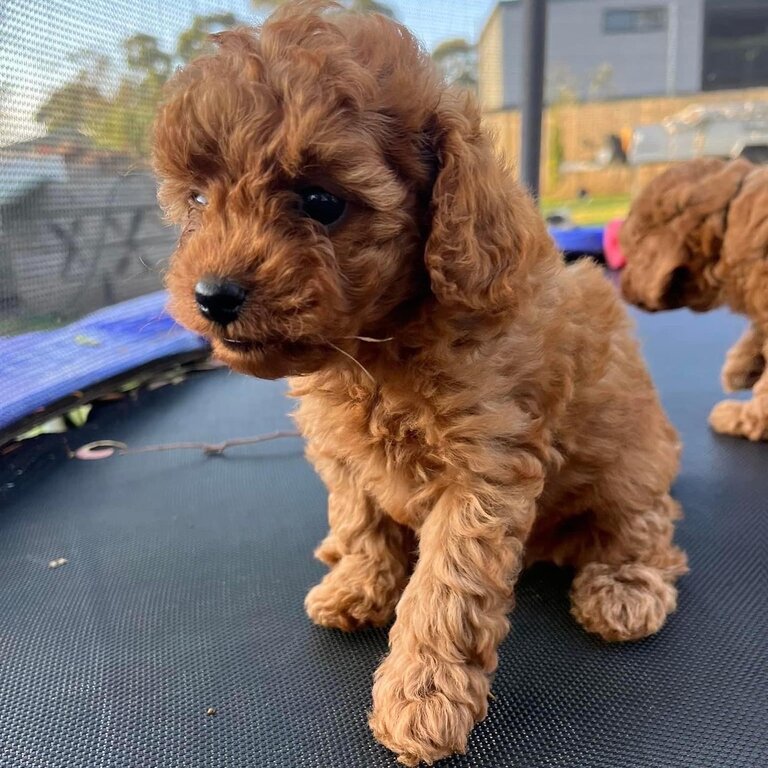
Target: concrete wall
<point>689,49</point>
<point>643,63</point>
<point>490,70</point>
<point>72,246</point>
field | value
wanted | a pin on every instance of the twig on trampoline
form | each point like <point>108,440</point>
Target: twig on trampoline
<point>103,449</point>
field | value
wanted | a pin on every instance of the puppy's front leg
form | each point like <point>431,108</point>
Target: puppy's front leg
<point>745,419</point>
<point>434,684</point>
<point>369,557</point>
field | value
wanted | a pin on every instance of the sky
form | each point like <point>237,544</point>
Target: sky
<point>38,38</point>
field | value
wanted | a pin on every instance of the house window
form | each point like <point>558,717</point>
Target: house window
<point>735,45</point>
<point>631,20</point>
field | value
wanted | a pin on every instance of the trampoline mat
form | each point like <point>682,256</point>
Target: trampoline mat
<point>186,574</point>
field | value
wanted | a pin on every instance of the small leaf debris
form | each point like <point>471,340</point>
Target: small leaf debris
<point>58,562</point>
<point>86,341</point>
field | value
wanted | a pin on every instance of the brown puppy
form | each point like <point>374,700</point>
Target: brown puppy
<point>697,237</point>
<point>471,403</point>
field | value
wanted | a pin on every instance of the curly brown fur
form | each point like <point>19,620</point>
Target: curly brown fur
<point>697,237</point>
<point>505,417</point>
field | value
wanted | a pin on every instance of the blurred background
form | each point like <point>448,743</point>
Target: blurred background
<point>631,86</point>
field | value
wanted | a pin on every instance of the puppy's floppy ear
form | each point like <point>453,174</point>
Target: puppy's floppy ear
<point>660,271</point>
<point>674,234</point>
<point>672,265</point>
<point>485,231</point>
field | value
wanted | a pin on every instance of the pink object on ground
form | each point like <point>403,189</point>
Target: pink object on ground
<point>614,257</point>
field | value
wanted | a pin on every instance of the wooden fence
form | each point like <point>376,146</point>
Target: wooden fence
<point>582,129</point>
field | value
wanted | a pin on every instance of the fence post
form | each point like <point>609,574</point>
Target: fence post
<point>534,62</point>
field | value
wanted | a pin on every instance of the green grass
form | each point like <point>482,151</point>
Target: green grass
<point>593,211</point>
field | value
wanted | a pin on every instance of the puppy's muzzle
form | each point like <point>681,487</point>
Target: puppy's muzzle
<point>220,300</point>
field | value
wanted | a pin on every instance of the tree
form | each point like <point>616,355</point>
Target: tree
<point>195,41</point>
<point>457,60</point>
<point>562,87</point>
<point>145,58</point>
<point>371,6</point>
<point>119,119</point>
<point>4,113</point>
<point>70,108</point>
<point>562,90</point>
<point>361,6</point>
<point>601,82</point>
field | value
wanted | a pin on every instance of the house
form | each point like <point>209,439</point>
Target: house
<point>614,49</point>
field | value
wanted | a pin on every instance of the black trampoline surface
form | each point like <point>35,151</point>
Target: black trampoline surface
<point>186,574</point>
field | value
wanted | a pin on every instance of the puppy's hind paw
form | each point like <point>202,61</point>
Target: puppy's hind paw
<point>624,602</point>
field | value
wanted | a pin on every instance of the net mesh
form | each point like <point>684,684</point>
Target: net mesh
<point>80,82</point>
<point>110,667</point>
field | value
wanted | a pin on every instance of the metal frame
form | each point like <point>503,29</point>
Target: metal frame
<point>534,61</point>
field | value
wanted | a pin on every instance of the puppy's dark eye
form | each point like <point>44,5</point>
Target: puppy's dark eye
<point>198,198</point>
<point>321,205</point>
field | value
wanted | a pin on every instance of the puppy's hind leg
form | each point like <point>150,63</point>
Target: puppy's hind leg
<point>624,587</point>
<point>745,361</point>
<point>369,557</point>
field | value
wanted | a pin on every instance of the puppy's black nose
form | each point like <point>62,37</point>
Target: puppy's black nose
<point>220,300</point>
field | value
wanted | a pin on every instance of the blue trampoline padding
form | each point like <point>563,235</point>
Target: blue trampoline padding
<point>579,239</point>
<point>37,369</point>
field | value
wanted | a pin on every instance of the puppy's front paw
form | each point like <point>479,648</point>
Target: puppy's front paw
<point>349,598</point>
<point>741,419</point>
<point>425,708</point>
<point>622,602</point>
<point>725,417</point>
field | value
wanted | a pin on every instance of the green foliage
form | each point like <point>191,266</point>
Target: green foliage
<point>556,153</point>
<point>562,87</point>
<point>457,60</point>
<point>601,82</point>
<point>195,41</point>
<point>144,57</point>
<point>361,6</point>
<point>118,118</point>
<point>71,108</point>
